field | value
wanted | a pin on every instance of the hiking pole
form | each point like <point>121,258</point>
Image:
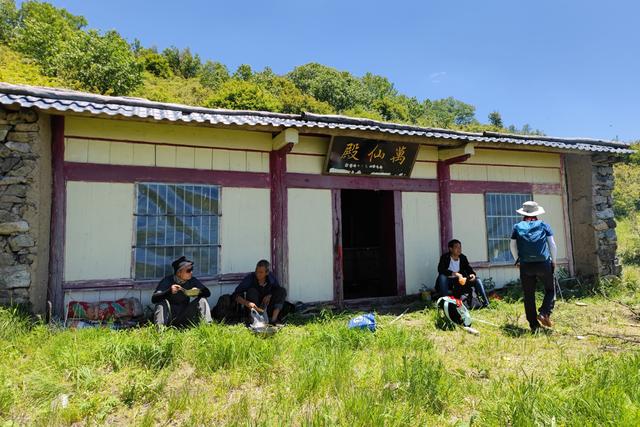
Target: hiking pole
<point>556,284</point>
<point>486,322</point>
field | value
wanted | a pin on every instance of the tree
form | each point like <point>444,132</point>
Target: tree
<point>391,110</point>
<point>339,89</point>
<point>42,32</point>
<point>292,99</point>
<point>8,20</point>
<point>153,62</point>
<point>378,87</point>
<point>243,95</point>
<point>244,72</point>
<point>213,74</point>
<point>182,62</point>
<point>449,111</point>
<point>495,119</point>
<point>189,64</point>
<point>100,63</point>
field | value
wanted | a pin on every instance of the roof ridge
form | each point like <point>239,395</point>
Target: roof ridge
<point>75,95</point>
<point>67,99</point>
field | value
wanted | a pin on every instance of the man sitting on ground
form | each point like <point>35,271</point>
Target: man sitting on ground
<point>174,306</point>
<point>261,291</point>
<point>456,276</point>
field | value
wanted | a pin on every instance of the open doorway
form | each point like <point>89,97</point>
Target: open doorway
<point>368,244</point>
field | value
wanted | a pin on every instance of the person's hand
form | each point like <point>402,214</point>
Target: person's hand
<point>517,264</point>
<point>553,266</point>
<point>266,300</point>
<point>251,305</point>
<point>472,277</point>
<point>458,275</point>
<point>175,288</point>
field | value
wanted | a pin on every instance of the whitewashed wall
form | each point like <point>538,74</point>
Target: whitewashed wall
<point>470,225</point>
<point>310,245</point>
<point>421,239</point>
<point>99,231</point>
<point>245,228</point>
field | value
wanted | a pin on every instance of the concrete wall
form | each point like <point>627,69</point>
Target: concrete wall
<point>470,225</point>
<point>426,163</point>
<point>99,231</point>
<point>90,140</point>
<point>512,166</point>
<point>310,245</point>
<point>421,239</point>
<point>308,155</point>
<point>245,228</point>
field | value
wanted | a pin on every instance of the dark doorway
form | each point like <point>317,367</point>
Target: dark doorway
<point>368,243</point>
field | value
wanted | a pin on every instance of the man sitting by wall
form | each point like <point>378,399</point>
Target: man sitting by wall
<point>456,276</point>
<point>261,290</point>
<point>174,306</point>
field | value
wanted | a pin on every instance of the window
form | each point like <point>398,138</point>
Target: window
<point>173,220</point>
<point>501,216</point>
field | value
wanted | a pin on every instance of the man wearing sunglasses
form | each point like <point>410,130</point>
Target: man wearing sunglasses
<point>180,298</point>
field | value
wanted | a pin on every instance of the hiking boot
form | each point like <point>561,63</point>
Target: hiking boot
<point>545,321</point>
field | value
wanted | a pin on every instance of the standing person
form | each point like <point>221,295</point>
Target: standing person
<point>261,290</point>
<point>172,297</point>
<point>454,266</point>
<point>535,252</point>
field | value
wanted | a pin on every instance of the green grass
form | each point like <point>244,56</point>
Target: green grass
<point>319,372</point>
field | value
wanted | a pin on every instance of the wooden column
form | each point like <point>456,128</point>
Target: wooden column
<point>444,204</point>
<point>55,294</point>
<point>444,193</point>
<point>399,234</point>
<point>336,209</point>
<point>279,222</point>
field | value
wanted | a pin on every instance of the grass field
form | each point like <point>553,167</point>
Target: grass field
<point>318,372</point>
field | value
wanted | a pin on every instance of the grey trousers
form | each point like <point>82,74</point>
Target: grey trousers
<point>197,310</point>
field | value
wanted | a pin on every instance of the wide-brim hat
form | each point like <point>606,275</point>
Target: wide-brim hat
<point>530,208</point>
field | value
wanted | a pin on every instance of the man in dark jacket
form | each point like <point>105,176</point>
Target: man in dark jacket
<point>261,289</point>
<point>456,276</point>
<point>174,306</point>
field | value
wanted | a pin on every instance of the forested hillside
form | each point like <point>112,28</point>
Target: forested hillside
<point>44,45</point>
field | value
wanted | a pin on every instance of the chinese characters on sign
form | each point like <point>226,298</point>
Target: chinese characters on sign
<point>369,157</point>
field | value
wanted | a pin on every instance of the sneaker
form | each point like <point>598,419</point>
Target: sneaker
<point>545,321</point>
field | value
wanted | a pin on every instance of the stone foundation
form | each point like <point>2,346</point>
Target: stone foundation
<point>23,231</point>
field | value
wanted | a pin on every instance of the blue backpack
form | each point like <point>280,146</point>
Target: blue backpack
<point>532,241</point>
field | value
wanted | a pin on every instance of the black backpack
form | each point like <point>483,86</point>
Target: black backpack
<point>226,310</point>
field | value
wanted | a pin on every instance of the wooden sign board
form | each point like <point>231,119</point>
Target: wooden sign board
<point>349,156</point>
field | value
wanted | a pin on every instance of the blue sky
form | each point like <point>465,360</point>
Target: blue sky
<point>567,67</point>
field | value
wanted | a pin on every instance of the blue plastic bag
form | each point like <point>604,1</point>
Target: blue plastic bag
<point>364,321</point>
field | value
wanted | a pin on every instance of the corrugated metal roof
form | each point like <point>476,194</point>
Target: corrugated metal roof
<point>63,100</point>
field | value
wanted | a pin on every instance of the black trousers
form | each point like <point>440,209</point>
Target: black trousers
<point>530,273</point>
<point>196,310</point>
<point>278,296</point>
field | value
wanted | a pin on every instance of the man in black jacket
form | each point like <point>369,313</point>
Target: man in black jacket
<point>261,289</point>
<point>174,306</point>
<point>456,276</point>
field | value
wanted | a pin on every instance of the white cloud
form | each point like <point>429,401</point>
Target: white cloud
<point>437,77</point>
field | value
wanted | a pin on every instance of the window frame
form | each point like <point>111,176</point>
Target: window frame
<point>134,240</point>
<point>529,196</point>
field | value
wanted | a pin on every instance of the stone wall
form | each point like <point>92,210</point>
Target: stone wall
<point>25,193</point>
<point>604,223</point>
<point>590,185</point>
